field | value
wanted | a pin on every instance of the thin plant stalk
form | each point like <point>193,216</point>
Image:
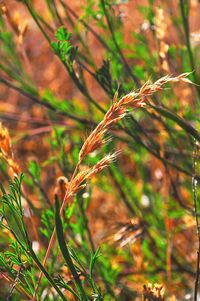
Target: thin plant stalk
<point>195,197</point>
<point>184,15</point>
<point>70,70</point>
<point>53,236</point>
<point>116,44</point>
<point>96,139</point>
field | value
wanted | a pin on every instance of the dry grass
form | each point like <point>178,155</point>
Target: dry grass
<point>97,138</point>
<point>6,151</point>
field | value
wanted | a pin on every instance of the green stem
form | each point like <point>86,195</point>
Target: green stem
<point>45,104</point>
<point>110,26</point>
<point>47,275</point>
<point>195,187</point>
<point>66,254</point>
<point>87,26</point>
<point>184,15</point>
<point>31,11</point>
<point>31,253</point>
<point>69,69</point>
<point>107,286</point>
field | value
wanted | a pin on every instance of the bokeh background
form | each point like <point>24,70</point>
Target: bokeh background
<point>140,210</point>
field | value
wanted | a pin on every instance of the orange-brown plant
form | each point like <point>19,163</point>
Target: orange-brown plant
<point>97,138</point>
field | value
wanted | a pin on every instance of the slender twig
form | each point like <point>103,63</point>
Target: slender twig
<point>92,245</point>
<point>195,197</point>
<point>41,267</point>
<point>88,59</point>
<point>14,284</point>
<point>86,25</point>
<point>66,254</point>
<point>18,287</point>
<point>184,7</point>
<point>184,15</point>
<point>29,251</point>
<point>47,105</point>
<point>57,13</point>
<point>35,18</point>
<point>85,219</point>
<point>126,65</point>
<point>96,139</point>
<point>121,192</point>
<point>69,69</point>
<point>85,92</point>
<point>85,121</point>
<point>53,236</point>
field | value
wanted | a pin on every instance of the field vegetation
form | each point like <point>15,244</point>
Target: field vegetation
<point>99,150</point>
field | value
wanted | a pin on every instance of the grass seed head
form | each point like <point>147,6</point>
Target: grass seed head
<point>103,163</point>
<point>6,151</point>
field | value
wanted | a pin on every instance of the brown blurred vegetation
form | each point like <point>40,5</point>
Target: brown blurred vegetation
<point>31,127</point>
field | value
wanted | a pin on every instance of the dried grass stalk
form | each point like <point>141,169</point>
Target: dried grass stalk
<point>96,139</point>
<point>119,108</point>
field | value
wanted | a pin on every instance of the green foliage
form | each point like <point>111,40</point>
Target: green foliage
<point>63,47</point>
<point>12,210</point>
<point>156,143</point>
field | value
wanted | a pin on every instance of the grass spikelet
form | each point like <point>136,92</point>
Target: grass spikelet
<point>92,143</point>
<point>96,139</point>
<point>6,151</point>
<point>118,110</point>
<point>103,163</point>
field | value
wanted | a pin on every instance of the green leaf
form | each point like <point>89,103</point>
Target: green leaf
<point>65,252</point>
<point>62,34</point>
<point>94,258</point>
<point>55,48</point>
<point>35,170</point>
<point>60,236</point>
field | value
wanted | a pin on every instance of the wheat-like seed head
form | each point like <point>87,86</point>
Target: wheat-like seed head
<point>96,139</point>
<point>92,143</point>
<point>119,108</point>
<point>77,182</point>
<point>103,163</point>
<point>114,114</point>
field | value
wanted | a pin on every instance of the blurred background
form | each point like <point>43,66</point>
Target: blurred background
<point>140,211</point>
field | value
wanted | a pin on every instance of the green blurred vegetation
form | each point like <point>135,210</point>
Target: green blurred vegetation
<point>150,233</point>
